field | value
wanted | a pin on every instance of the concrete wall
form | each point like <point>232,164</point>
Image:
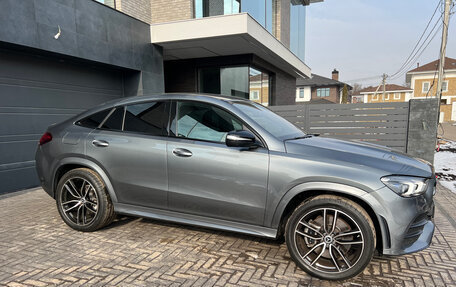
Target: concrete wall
<point>90,31</point>
<point>422,128</point>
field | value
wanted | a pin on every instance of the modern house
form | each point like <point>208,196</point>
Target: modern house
<point>423,81</point>
<point>318,89</point>
<point>393,93</point>
<point>58,58</point>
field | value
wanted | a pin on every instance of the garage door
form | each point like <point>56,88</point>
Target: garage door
<point>35,92</point>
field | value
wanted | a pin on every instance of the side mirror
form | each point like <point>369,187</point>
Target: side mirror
<point>240,139</point>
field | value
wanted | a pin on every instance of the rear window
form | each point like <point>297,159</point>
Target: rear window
<point>93,121</point>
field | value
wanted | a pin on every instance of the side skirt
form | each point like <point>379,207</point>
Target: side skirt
<point>196,220</point>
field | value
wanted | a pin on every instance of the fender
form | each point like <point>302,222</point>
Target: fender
<point>312,186</point>
<point>89,164</point>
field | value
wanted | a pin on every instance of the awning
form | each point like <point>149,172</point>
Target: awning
<point>222,36</point>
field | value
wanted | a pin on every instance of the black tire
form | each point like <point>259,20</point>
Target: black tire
<point>71,199</point>
<point>330,259</point>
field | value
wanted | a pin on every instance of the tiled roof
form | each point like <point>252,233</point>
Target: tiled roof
<point>450,64</point>
<point>319,81</point>
<point>388,87</point>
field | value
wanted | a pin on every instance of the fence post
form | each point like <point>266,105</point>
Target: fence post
<point>422,128</point>
<point>307,118</point>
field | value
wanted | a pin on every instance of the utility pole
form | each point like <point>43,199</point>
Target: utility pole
<point>446,20</point>
<point>384,76</point>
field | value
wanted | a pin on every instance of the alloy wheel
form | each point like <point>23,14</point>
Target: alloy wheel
<point>329,240</point>
<point>79,201</point>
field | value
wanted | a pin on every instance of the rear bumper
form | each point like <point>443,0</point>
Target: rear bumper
<point>43,170</point>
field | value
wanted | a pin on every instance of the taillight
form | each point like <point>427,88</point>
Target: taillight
<point>47,137</point>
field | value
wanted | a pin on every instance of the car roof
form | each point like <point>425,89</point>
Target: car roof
<point>176,96</point>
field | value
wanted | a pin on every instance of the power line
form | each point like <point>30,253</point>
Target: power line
<point>421,37</point>
<point>363,79</point>
<point>420,50</point>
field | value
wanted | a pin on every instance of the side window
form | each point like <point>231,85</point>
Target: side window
<point>93,121</point>
<point>114,122</point>
<point>149,118</point>
<point>202,121</point>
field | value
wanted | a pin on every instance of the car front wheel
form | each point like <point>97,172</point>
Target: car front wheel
<point>330,237</point>
<point>82,200</point>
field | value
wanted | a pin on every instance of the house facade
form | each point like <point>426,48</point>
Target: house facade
<point>423,81</point>
<point>320,89</point>
<point>58,58</point>
<point>393,93</point>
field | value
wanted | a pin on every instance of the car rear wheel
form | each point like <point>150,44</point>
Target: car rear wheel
<point>82,200</point>
<point>330,237</point>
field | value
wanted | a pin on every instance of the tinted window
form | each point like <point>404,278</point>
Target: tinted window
<point>204,122</point>
<point>150,118</point>
<point>94,120</point>
<point>114,122</point>
<point>268,120</point>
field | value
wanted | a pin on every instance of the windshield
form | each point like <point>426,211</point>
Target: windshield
<point>268,120</point>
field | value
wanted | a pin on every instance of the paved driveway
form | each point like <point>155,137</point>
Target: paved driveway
<point>37,248</point>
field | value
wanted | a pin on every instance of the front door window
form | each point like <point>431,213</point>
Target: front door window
<point>205,122</point>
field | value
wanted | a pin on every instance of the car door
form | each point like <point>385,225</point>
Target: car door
<point>131,147</point>
<point>208,178</point>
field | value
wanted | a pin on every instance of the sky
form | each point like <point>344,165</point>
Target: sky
<point>366,38</point>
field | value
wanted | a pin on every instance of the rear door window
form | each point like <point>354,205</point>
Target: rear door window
<point>114,121</point>
<point>94,121</point>
<point>148,118</point>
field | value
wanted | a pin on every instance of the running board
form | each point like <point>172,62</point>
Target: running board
<point>195,220</point>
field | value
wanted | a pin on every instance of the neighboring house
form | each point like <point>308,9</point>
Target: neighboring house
<point>318,87</point>
<point>58,58</point>
<point>393,93</point>
<point>423,81</point>
<point>356,99</point>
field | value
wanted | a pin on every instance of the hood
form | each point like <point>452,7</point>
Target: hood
<point>364,154</point>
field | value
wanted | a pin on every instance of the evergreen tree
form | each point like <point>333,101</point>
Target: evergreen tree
<point>345,95</point>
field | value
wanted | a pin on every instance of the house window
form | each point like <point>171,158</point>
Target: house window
<point>260,10</point>
<point>324,92</point>
<point>237,81</point>
<point>426,87</point>
<point>397,96</point>
<point>375,97</point>
<point>387,97</point>
<point>445,86</point>
<point>254,95</point>
<point>301,93</point>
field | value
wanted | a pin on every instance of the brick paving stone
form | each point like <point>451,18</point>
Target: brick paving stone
<point>38,249</point>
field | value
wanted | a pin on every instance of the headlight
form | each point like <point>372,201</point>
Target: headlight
<point>406,186</point>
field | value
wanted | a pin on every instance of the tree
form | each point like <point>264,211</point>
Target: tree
<point>345,95</point>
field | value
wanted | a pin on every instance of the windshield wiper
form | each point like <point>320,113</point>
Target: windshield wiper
<point>303,137</point>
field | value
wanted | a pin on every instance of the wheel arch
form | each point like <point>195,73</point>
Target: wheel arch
<point>68,164</point>
<point>306,191</point>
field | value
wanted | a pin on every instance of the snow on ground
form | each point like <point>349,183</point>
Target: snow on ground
<point>445,165</point>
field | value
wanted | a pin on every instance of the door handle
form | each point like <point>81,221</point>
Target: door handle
<point>100,143</point>
<point>182,152</point>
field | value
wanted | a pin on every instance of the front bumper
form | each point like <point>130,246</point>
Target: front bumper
<point>407,224</point>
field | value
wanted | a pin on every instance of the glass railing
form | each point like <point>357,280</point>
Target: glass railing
<point>260,10</point>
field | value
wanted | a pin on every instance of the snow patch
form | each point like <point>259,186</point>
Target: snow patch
<point>445,165</point>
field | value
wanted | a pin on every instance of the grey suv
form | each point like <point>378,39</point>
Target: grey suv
<point>231,164</point>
